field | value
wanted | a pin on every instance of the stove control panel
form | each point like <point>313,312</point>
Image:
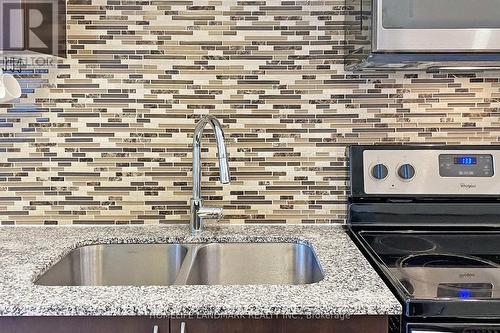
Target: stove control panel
<point>469,165</point>
<point>428,171</point>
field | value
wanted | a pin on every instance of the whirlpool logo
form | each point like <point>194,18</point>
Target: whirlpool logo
<point>466,275</point>
<point>467,186</point>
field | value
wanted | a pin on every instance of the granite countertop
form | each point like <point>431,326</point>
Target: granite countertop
<point>350,287</point>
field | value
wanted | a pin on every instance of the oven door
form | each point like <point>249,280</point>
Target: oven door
<point>436,26</point>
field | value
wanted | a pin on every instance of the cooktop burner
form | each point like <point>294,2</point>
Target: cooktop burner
<point>444,260</point>
<point>407,243</point>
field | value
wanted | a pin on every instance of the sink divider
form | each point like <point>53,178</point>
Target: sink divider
<point>187,263</point>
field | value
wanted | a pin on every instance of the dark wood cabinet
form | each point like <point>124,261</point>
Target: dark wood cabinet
<point>83,325</point>
<point>356,324</point>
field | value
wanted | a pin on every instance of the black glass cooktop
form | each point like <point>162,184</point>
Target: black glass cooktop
<point>440,265</point>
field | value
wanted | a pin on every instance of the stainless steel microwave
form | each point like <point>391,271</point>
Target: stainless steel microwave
<point>423,34</point>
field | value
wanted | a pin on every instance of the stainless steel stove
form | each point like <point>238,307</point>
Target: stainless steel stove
<point>428,219</point>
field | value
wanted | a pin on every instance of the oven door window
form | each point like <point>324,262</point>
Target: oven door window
<point>440,14</point>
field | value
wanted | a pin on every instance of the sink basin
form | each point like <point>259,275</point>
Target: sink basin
<point>117,264</point>
<point>181,264</point>
<point>254,263</point>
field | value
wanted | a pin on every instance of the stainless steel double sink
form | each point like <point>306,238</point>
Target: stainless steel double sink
<point>186,264</point>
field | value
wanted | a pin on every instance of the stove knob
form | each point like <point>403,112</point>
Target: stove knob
<point>406,171</point>
<point>379,171</point>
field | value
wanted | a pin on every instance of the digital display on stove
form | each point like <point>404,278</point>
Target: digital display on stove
<point>466,165</point>
<point>465,160</point>
<point>465,290</point>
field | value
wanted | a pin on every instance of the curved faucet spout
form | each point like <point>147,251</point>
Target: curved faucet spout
<point>196,201</point>
<point>221,153</point>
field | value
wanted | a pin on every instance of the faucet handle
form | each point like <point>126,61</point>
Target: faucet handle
<point>212,213</point>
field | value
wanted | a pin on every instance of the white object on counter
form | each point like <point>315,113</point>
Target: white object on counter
<point>9,88</point>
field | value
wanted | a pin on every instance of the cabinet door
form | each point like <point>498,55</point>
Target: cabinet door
<point>355,324</point>
<point>83,325</point>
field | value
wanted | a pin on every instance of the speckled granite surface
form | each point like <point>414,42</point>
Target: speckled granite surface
<point>350,286</point>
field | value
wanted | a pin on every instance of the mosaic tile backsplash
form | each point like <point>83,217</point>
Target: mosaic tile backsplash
<point>106,136</point>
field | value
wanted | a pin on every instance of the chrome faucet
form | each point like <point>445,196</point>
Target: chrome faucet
<point>198,211</point>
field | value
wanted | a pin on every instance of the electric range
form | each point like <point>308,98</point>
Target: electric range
<point>428,219</point>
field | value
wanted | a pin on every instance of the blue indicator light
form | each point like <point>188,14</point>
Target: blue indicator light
<point>464,293</point>
<point>465,160</point>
